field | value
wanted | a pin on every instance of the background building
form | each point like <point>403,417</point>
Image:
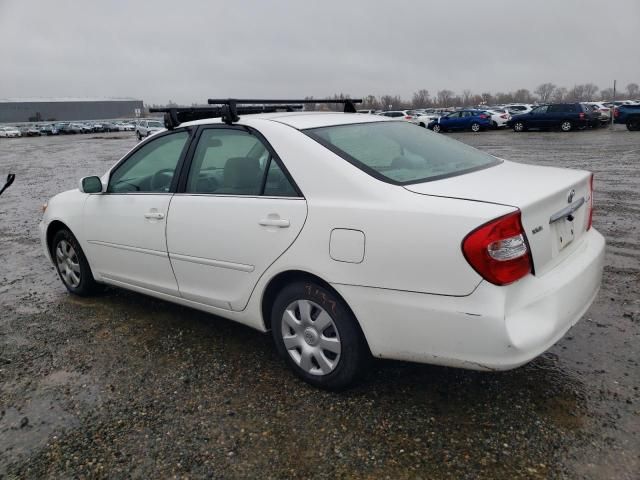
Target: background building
<point>37,110</point>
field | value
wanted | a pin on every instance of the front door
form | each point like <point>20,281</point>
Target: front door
<point>238,213</point>
<point>125,227</point>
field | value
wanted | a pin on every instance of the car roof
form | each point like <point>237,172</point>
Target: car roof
<point>303,120</point>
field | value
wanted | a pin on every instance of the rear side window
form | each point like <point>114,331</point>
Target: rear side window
<point>399,152</point>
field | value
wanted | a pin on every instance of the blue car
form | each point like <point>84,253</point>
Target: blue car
<point>474,120</point>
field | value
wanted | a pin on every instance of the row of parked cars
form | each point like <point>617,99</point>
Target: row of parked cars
<point>66,128</point>
<point>521,117</point>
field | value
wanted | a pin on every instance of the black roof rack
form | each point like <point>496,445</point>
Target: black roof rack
<point>231,109</point>
<point>174,116</point>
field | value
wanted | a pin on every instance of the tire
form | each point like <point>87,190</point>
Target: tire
<point>72,265</point>
<point>566,126</point>
<point>139,136</point>
<point>475,127</point>
<point>494,125</point>
<point>633,125</point>
<point>422,125</point>
<point>519,127</point>
<point>299,339</point>
<point>437,128</point>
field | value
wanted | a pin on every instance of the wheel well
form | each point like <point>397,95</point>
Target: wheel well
<point>278,282</point>
<point>53,228</point>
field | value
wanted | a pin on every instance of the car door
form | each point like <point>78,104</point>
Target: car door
<point>538,117</point>
<point>450,121</point>
<point>125,226</point>
<point>237,212</point>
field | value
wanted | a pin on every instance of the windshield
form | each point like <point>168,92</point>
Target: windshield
<point>399,152</point>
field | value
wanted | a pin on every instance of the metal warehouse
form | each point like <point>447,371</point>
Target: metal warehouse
<point>36,110</point>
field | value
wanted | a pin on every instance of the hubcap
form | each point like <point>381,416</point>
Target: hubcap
<point>311,337</point>
<point>519,127</point>
<point>475,127</point>
<point>566,126</point>
<point>68,263</point>
<point>436,128</point>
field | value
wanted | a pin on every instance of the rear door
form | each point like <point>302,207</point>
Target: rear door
<point>238,210</point>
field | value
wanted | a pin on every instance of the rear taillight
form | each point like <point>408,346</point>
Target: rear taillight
<point>581,115</point>
<point>590,204</point>
<point>498,250</point>
<point>504,116</point>
<point>616,112</point>
<point>484,116</point>
<point>408,117</point>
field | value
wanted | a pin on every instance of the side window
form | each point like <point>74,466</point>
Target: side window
<point>151,168</point>
<point>454,115</point>
<point>540,110</point>
<point>554,108</point>
<point>277,184</point>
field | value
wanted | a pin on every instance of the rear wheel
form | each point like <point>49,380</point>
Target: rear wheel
<point>318,336</point>
<point>139,135</point>
<point>566,126</point>
<point>437,128</point>
<point>71,264</point>
<point>633,125</point>
<point>422,125</point>
<point>475,127</point>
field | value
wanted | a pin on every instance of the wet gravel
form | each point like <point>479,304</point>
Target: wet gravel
<point>122,385</point>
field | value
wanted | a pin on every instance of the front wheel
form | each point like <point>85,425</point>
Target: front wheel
<point>318,336</point>
<point>71,264</point>
<point>437,128</point>
<point>139,136</point>
<point>519,127</point>
<point>633,126</point>
<point>475,127</point>
<point>566,126</point>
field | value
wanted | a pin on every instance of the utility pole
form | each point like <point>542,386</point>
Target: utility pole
<point>614,99</point>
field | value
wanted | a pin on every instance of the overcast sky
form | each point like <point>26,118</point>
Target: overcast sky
<point>188,51</point>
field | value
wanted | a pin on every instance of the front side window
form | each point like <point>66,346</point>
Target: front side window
<point>235,162</point>
<point>540,110</point>
<point>399,152</point>
<point>151,168</point>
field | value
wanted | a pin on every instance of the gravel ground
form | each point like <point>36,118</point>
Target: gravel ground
<point>123,385</point>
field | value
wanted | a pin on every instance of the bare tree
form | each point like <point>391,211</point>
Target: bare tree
<point>522,95</point>
<point>391,101</point>
<point>590,91</point>
<point>633,90</point>
<point>606,94</point>
<point>545,91</point>
<point>421,99</point>
<point>309,106</point>
<point>467,96</point>
<point>559,94</point>
<point>445,98</point>
<point>370,102</point>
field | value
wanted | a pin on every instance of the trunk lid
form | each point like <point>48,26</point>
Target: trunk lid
<point>554,203</point>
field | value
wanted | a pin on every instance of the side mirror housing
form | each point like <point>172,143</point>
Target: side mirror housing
<point>91,185</point>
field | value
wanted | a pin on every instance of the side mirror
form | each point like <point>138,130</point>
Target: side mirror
<point>91,185</point>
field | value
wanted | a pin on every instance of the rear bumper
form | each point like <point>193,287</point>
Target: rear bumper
<point>494,328</point>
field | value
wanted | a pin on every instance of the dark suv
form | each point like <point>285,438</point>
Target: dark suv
<point>566,116</point>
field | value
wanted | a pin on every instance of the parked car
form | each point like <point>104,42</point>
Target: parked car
<point>423,118</point>
<point>404,115</point>
<point>566,116</point>
<point>499,117</point>
<point>48,130</point>
<point>628,115</point>
<point>10,132</point>
<point>144,128</point>
<point>605,112</point>
<point>474,120</point>
<point>519,108</point>
<point>470,261</point>
<point>31,131</point>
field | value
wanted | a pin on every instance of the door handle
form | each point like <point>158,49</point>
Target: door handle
<point>155,215</point>
<point>274,222</point>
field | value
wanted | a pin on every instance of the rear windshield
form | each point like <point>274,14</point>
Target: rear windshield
<point>400,152</point>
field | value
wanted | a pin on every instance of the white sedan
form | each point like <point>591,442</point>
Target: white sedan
<point>499,117</point>
<point>10,132</point>
<point>345,235</point>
